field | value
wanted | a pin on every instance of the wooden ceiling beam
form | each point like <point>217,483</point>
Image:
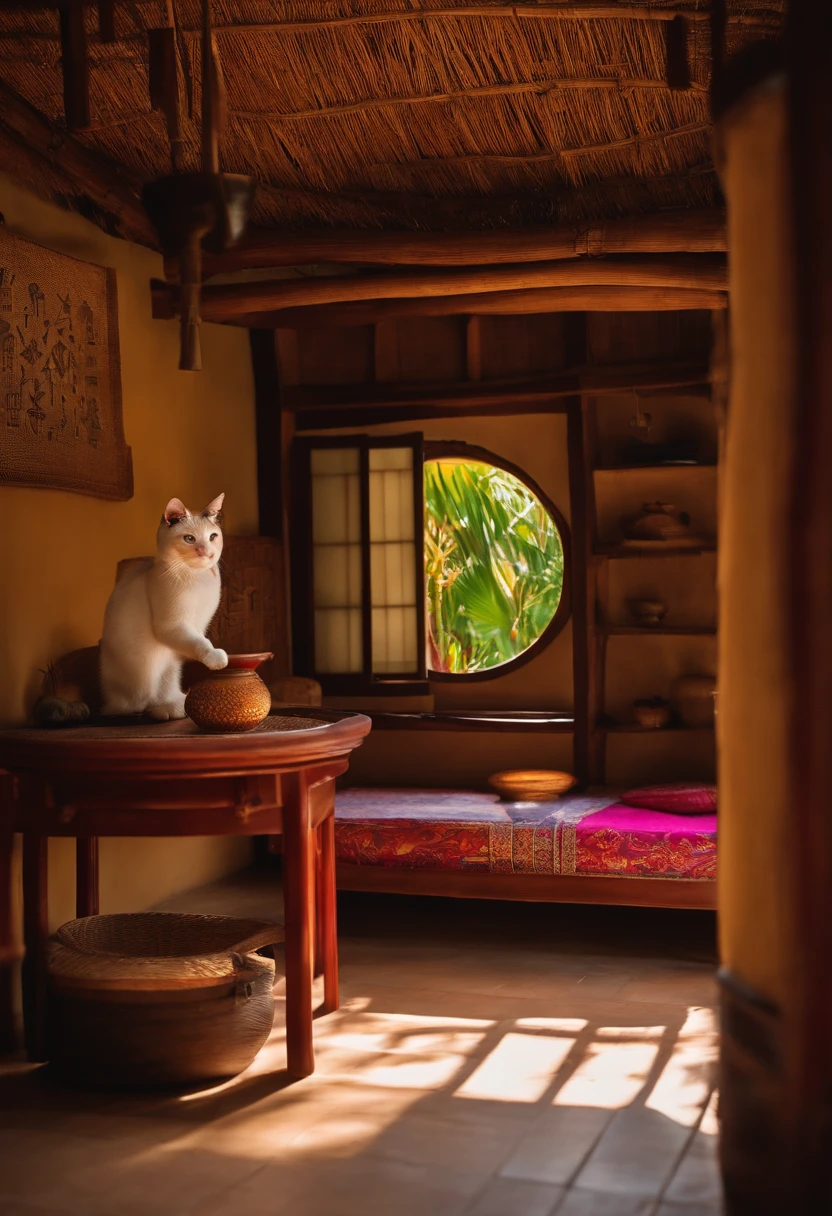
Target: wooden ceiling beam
<point>615,378</point>
<point>541,300</point>
<point>227,301</point>
<point>543,158</point>
<point>588,11</point>
<point>701,231</point>
<point>515,88</point>
<point>88,173</point>
<point>530,12</point>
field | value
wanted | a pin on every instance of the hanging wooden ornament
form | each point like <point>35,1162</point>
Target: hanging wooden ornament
<point>191,210</point>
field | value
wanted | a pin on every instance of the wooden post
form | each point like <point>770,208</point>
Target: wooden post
<point>35,937</point>
<point>299,905</point>
<point>86,876</point>
<point>386,351</point>
<point>473,348</point>
<point>267,422</point>
<point>75,65</point>
<point>328,915</point>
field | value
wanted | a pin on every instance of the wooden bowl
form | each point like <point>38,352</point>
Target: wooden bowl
<point>531,785</point>
<point>651,716</point>
<point>648,613</point>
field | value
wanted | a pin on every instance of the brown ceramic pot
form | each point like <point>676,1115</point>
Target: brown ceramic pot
<point>234,699</point>
<point>652,714</point>
<point>659,521</point>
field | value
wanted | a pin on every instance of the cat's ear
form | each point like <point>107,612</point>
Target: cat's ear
<point>175,510</point>
<point>214,507</point>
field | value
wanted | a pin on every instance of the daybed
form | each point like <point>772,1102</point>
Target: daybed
<point>584,848</point>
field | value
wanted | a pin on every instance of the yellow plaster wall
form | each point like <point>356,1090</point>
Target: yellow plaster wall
<point>192,436</point>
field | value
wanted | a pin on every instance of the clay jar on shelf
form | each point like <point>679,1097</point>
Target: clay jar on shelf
<point>653,713</point>
<point>658,521</point>
<point>648,613</point>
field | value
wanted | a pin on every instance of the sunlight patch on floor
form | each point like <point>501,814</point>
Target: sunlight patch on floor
<point>521,1068</point>
<point>685,1081</point>
<point>610,1075</point>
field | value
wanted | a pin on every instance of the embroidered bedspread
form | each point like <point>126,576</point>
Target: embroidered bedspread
<point>476,832</point>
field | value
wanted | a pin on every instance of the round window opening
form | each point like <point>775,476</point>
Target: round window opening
<point>494,562</point>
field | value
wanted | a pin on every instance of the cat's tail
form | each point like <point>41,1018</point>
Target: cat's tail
<point>56,711</point>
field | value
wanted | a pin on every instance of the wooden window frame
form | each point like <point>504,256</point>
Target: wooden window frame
<point>365,682</point>
<point>436,450</point>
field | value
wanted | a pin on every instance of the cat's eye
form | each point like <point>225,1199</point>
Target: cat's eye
<point>213,536</point>
<point>189,540</point>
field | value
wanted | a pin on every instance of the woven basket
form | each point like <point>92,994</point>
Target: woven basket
<point>158,998</point>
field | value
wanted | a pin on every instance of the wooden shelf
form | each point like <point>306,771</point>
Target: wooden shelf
<point>632,728</point>
<point>628,470</point>
<point>667,631</point>
<point>655,549</point>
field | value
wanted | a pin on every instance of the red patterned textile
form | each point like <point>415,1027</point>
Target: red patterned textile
<point>631,842</point>
<point>680,798</point>
<point>465,830</point>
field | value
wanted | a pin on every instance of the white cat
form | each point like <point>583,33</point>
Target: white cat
<point>158,614</point>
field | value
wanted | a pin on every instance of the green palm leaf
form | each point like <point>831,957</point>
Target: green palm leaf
<point>494,565</point>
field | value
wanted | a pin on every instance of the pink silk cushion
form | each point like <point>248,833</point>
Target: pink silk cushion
<point>680,798</point>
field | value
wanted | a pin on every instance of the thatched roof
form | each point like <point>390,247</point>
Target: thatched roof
<point>431,114</point>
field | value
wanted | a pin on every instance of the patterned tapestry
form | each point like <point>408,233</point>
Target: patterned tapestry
<point>60,375</point>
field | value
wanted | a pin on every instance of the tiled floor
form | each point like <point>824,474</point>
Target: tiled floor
<point>488,1060</point>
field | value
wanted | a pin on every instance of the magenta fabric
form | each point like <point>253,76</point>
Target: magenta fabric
<point>680,798</point>
<point>466,830</point>
<point>632,842</point>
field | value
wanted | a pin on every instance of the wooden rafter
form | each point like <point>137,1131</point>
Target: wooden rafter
<point>528,12</point>
<point>542,158</point>
<point>763,17</point>
<point>537,300</point>
<point>701,231</point>
<point>108,185</point>
<point>550,85</point>
<point>687,271</point>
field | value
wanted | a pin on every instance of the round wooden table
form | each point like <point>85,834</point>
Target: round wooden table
<point>172,779</point>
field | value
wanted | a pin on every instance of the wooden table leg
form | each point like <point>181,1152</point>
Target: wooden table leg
<point>35,936</point>
<point>86,876</point>
<point>299,903</point>
<point>328,914</point>
<point>8,953</point>
<point>319,909</point>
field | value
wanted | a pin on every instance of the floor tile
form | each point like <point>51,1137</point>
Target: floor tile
<point>696,1179</point>
<point>554,1148</point>
<point>514,1197</point>
<point>687,1209</point>
<point>580,1202</point>
<point>636,1155</point>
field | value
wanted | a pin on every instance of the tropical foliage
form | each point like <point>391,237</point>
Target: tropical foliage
<point>494,565</point>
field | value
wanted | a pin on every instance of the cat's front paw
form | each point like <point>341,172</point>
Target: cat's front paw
<point>168,711</point>
<point>215,659</point>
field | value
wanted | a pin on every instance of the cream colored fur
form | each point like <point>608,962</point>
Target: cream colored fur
<point>157,616</point>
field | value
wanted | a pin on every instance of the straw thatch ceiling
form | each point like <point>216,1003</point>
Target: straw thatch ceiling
<point>501,116</point>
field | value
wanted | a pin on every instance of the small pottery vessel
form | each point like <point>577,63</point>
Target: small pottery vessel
<point>234,699</point>
<point>652,713</point>
<point>648,612</point>
<point>693,697</point>
<point>531,785</point>
<point>658,521</point>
